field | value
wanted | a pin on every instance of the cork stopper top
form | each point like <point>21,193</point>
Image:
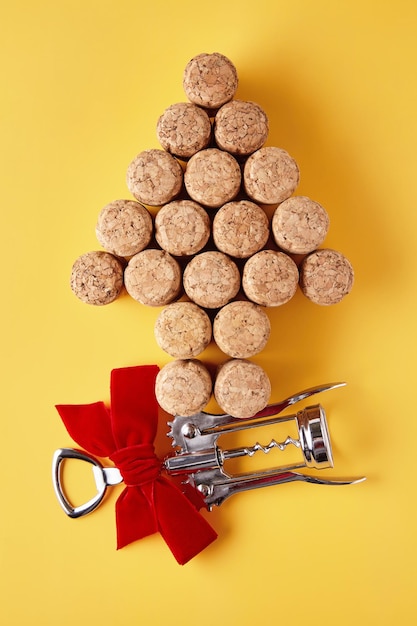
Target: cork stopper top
<point>154,177</point>
<point>97,278</point>
<point>212,177</point>
<point>211,279</point>
<point>326,276</point>
<point>183,330</point>
<point>124,227</point>
<point>240,228</point>
<point>182,227</point>
<point>183,387</point>
<point>241,329</point>
<point>240,127</point>
<point>183,129</point>
<point>210,80</point>
<point>153,277</point>
<point>270,278</point>
<point>270,175</point>
<point>300,225</point>
<point>242,388</point>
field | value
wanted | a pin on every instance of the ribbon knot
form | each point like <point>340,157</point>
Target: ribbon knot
<point>125,433</point>
<point>138,464</point>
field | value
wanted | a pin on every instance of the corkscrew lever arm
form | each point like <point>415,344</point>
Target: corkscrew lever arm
<point>217,492</point>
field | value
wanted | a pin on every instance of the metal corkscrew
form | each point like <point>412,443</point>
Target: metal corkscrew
<point>199,459</point>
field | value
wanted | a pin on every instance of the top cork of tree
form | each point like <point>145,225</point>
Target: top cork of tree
<point>210,80</point>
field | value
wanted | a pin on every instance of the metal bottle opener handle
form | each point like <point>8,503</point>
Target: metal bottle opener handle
<point>103,476</point>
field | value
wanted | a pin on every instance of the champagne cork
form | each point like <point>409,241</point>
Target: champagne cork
<point>240,127</point>
<point>183,330</point>
<point>210,80</point>
<point>97,278</point>
<point>326,276</point>
<point>153,277</point>
<point>299,225</point>
<point>183,129</point>
<point>270,175</point>
<point>182,227</point>
<point>240,228</point>
<point>241,329</point>
<point>212,177</point>
<point>154,177</point>
<point>270,278</point>
<point>241,388</point>
<point>124,227</point>
<point>183,387</point>
<point>211,279</point>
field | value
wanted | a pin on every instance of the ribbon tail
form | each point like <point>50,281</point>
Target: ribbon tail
<point>184,530</point>
<point>135,518</point>
<point>89,426</point>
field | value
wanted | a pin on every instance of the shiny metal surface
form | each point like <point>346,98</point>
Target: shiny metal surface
<point>218,491</point>
<point>199,458</point>
<point>314,437</point>
<point>103,477</point>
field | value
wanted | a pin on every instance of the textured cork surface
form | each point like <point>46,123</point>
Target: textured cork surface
<point>211,279</point>
<point>240,228</point>
<point>154,177</point>
<point>300,225</point>
<point>241,127</point>
<point>210,80</point>
<point>242,388</point>
<point>183,129</point>
<point>270,278</point>
<point>97,278</point>
<point>182,227</point>
<point>212,177</point>
<point>241,329</point>
<point>124,227</point>
<point>183,330</point>
<point>326,276</point>
<point>153,277</point>
<point>183,387</point>
<point>270,175</point>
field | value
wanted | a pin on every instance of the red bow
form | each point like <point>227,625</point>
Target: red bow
<point>125,434</point>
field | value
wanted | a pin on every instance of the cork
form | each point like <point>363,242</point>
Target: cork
<point>241,388</point>
<point>183,129</point>
<point>240,228</point>
<point>241,329</point>
<point>182,227</point>
<point>124,227</point>
<point>212,177</point>
<point>154,177</point>
<point>153,277</point>
<point>183,330</point>
<point>210,80</point>
<point>326,276</point>
<point>270,278</point>
<point>299,225</point>
<point>241,127</point>
<point>97,278</point>
<point>270,175</point>
<point>211,279</point>
<point>183,387</point>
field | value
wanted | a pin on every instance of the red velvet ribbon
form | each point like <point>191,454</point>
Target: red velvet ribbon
<point>125,433</point>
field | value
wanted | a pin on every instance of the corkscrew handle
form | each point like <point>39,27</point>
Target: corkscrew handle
<point>217,492</point>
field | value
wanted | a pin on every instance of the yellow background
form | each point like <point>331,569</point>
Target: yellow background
<point>82,85</point>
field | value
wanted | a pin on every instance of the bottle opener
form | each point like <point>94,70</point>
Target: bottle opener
<point>199,460</point>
